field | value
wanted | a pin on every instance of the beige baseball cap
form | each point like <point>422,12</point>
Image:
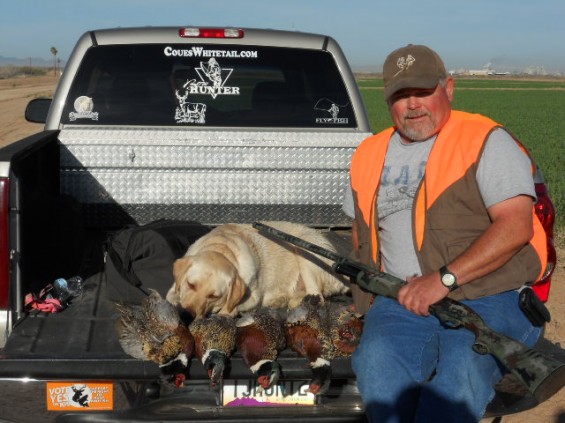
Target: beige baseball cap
<point>412,66</point>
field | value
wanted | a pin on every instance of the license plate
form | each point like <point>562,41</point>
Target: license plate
<point>80,396</point>
<point>248,393</point>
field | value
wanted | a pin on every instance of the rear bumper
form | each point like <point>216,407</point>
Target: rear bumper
<point>197,403</point>
<point>151,402</point>
<point>174,412</point>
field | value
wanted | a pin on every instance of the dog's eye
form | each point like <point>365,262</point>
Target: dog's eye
<point>213,296</point>
<point>190,286</point>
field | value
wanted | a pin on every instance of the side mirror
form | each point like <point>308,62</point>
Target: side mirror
<point>37,110</point>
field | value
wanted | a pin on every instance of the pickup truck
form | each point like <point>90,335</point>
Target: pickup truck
<point>213,125</point>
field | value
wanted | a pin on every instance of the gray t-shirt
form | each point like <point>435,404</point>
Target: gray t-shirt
<point>504,172</point>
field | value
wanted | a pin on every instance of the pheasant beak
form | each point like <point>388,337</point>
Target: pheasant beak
<point>215,363</point>
<point>179,379</point>
<point>264,382</point>
<point>269,374</point>
<point>321,378</point>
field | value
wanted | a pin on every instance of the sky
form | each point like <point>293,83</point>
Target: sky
<point>469,34</point>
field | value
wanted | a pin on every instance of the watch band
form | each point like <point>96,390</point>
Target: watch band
<point>448,278</point>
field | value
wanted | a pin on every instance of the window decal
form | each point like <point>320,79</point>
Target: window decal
<point>198,51</point>
<point>84,107</point>
<point>332,109</point>
<point>212,80</point>
<point>188,112</point>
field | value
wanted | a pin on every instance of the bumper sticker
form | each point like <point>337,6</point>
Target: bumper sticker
<point>77,396</point>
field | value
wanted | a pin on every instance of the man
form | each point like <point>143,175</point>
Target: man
<point>444,199</point>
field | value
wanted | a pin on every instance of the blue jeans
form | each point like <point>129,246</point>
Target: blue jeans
<point>411,368</point>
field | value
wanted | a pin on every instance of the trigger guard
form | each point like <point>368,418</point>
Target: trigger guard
<point>452,324</point>
<point>480,348</point>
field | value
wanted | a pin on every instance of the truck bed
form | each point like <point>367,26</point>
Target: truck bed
<point>81,342</point>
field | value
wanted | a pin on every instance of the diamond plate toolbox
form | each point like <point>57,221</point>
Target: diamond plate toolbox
<point>139,175</point>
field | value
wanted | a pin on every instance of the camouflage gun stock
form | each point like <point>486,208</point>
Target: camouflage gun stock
<point>540,374</point>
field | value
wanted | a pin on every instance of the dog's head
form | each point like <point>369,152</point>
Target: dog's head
<point>207,283</point>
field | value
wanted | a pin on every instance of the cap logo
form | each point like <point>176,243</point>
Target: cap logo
<point>404,63</point>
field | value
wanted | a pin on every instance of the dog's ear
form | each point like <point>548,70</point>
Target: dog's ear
<point>235,295</point>
<point>180,268</point>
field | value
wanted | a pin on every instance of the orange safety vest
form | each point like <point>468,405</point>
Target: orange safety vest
<point>447,199</point>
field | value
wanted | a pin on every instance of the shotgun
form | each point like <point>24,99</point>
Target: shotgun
<point>540,374</point>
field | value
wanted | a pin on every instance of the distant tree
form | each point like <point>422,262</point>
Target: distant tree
<point>54,53</point>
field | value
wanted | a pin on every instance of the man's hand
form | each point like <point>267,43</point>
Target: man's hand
<point>421,292</point>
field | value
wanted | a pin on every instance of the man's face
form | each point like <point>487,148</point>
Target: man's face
<point>420,113</point>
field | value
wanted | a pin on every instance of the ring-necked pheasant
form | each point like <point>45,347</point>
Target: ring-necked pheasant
<point>214,342</point>
<point>260,338</point>
<point>346,328</point>
<point>321,331</point>
<point>154,331</point>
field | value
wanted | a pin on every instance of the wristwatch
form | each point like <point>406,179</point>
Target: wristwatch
<point>448,279</point>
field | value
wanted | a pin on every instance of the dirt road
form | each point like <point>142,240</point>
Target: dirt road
<point>15,94</point>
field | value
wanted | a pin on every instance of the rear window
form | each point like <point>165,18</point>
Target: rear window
<point>208,85</point>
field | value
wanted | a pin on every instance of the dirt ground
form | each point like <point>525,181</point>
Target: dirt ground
<point>16,93</point>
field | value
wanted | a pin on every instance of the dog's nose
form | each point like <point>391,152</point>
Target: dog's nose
<point>198,314</point>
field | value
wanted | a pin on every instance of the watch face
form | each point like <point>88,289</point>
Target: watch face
<point>448,279</point>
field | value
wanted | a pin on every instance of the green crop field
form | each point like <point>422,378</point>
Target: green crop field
<point>532,110</point>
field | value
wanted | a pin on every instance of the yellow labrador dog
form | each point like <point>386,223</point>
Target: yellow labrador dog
<point>234,269</point>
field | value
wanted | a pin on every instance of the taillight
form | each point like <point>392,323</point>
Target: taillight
<point>542,286</point>
<point>211,33</point>
<point>545,211</point>
<point>4,251</point>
